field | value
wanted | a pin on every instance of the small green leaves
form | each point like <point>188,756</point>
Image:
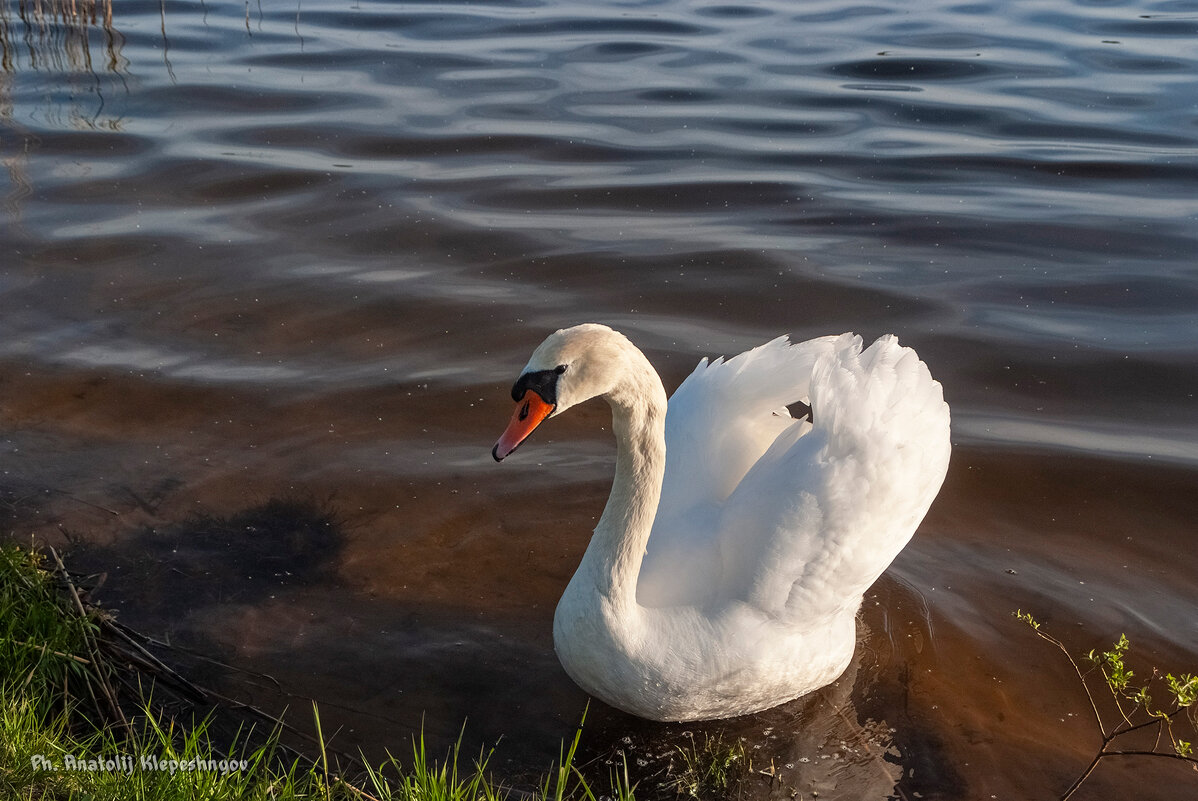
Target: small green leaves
<point>1166,720</point>
<point>1118,677</point>
<point>1027,618</point>
<point>1184,687</point>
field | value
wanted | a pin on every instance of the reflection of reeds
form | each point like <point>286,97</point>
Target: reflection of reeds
<point>57,35</point>
<point>21,187</point>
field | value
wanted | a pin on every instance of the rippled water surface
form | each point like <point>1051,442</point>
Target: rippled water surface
<point>257,256</point>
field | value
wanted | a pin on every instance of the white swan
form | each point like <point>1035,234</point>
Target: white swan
<point>725,574</point>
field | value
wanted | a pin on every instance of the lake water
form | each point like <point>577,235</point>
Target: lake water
<point>299,251</point>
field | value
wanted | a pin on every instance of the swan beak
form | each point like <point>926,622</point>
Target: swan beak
<point>531,410</point>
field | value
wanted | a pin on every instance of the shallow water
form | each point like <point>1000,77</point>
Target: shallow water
<point>300,252</point>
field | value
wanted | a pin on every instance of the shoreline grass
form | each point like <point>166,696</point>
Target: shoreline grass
<point>87,713</point>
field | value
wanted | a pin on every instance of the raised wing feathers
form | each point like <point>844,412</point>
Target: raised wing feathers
<point>762,509</point>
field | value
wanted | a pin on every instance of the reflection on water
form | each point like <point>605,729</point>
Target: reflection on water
<point>76,43</point>
<point>54,36</point>
<point>57,35</point>
<point>256,252</point>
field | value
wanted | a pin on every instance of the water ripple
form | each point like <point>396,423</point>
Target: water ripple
<point>983,153</point>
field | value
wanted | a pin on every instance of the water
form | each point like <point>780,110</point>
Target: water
<point>256,252</point>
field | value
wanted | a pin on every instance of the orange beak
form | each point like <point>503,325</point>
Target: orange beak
<point>531,410</point>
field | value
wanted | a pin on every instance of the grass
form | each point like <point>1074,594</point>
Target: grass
<point>76,687</point>
<point>711,770</point>
<point>43,647</point>
<point>177,763</point>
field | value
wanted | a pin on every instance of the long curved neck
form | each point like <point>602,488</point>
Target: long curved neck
<point>612,561</point>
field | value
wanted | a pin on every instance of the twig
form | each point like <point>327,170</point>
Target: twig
<point>157,664</point>
<point>45,650</point>
<point>1082,778</point>
<point>102,676</point>
<point>1160,719</point>
<point>202,657</point>
<point>77,499</point>
<point>1081,676</point>
<point>1119,706</point>
<point>1117,682</point>
<point>1164,754</point>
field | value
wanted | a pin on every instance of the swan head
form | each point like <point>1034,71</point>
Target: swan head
<point>571,366</point>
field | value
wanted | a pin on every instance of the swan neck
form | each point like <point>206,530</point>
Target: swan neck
<point>613,558</point>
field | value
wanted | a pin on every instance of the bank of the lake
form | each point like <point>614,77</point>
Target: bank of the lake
<point>85,712</point>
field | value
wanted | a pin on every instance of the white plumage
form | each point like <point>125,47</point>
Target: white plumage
<point>728,566</point>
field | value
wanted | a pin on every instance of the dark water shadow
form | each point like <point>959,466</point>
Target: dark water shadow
<point>242,558</point>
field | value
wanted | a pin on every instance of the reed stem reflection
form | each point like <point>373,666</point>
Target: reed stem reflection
<point>57,35</point>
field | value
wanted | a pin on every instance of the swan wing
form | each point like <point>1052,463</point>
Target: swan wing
<point>719,423</point>
<point>725,415</point>
<point>822,512</point>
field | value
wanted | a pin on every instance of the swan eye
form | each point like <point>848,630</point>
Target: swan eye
<point>561,368</point>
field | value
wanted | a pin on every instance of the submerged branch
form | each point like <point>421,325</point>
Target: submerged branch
<point>1118,682</point>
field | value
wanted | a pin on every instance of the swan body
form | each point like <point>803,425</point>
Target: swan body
<point>726,571</point>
